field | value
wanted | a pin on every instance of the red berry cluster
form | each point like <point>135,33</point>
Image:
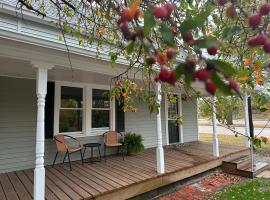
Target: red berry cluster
<point>123,23</point>
<point>164,11</point>
<point>254,22</point>
<point>164,58</point>
<point>166,74</point>
<point>188,38</point>
<point>204,75</point>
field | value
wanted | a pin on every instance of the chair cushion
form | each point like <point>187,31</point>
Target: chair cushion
<point>74,149</point>
<point>114,145</point>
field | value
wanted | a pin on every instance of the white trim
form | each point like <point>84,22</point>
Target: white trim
<point>166,118</point>
<point>159,149</point>
<point>57,99</point>
<point>214,121</point>
<point>180,112</point>
<point>87,129</point>
<point>88,103</point>
<point>39,172</point>
<point>113,115</point>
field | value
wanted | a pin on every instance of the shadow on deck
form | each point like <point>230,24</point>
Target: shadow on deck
<point>118,179</point>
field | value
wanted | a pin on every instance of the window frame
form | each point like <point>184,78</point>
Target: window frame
<point>87,129</point>
<point>94,108</point>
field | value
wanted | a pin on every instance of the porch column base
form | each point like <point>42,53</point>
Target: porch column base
<point>214,121</point>
<point>160,160</point>
<point>39,178</point>
<point>215,147</point>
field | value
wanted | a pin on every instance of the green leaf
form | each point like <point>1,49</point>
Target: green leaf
<point>60,37</point>
<point>256,142</point>
<point>167,34</point>
<point>188,78</point>
<point>113,56</point>
<point>207,42</point>
<point>220,84</point>
<point>225,67</point>
<point>130,47</point>
<point>109,10</point>
<point>198,20</point>
<point>179,70</point>
<point>67,28</point>
<point>242,72</point>
<point>229,32</point>
<point>263,109</point>
<point>149,22</point>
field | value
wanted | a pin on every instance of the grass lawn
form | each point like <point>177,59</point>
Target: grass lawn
<point>232,140</point>
<point>258,189</point>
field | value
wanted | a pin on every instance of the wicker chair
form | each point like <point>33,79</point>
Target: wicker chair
<point>62,147</point>
<point>112,140</point>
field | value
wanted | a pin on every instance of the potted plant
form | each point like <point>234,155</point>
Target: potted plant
<point>133,143</point>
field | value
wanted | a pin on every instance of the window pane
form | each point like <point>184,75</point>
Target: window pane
<point>100,118</point>
<point>100,99</point>
<point>71,97</point>
<point>172,111</point>
<point>70,121</point>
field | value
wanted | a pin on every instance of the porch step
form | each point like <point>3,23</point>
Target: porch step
<point>258,168</point>
<point>242,167</point>
<point>238,162</point>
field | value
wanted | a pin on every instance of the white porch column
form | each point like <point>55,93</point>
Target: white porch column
<point>214,121</point>
<point>41,91</point>
<point>160,151</point>
<point>247,128</point>
<point>181,114</point>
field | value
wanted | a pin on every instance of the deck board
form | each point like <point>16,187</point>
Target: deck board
<point>115,178</point>
<point>19,187</point>
<point>2,193</point>
<point>76,188</point>
<point>49,194</point>
<point>87,187</point>
<point>26,182</point>
<point>9,191</point>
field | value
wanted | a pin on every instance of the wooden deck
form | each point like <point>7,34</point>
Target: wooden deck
<point>117,179</point>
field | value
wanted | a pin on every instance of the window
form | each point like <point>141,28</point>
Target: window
<point>71,109</point>
<point>172,110</point>
<point>100,109</point>
<point>82,109</point>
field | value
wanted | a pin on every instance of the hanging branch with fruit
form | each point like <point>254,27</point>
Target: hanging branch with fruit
<point>215,37</point>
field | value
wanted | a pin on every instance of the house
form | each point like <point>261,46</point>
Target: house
<point>43,95</point>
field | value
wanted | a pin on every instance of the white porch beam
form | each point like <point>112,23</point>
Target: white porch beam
<point>247,125</point>
<point>41,91</point>
<point>159,151</point>
<point>214,121</point>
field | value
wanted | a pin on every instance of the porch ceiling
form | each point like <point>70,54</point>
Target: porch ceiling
<point>23,69</point>
<point>16,57</point>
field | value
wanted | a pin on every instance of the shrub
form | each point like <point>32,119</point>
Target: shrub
<point>133,143</point>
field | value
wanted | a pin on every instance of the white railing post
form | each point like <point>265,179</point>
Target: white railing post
<point>214,121</point>
<point>247,128</point>
<point>159,151</point>
<point>41,91</point>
